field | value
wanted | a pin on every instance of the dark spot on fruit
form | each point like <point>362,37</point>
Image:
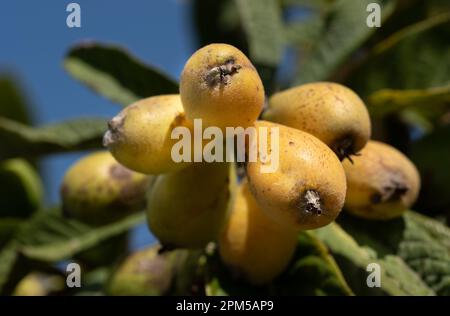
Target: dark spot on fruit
<point>133,195</point>
<point>375,198</point>
<point>394,191</point>
<point>152,266</point>
<point>291,143</point>
<point>119,172</point>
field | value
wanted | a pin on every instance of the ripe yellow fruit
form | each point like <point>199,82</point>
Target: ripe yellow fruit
<point>187,208</point>
<point>253,245</point>
<point>220,85</point>
<point>39,284</point>
<point>98,190</point>
<point>330,111</point>
<point>382,183</point>
<point>139,137</point>
<point>307,190</point>
<point>143,273</point>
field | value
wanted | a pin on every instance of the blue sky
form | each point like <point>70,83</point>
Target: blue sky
<point>34,38</point>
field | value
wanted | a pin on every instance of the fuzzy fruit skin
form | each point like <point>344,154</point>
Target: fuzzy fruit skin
<point>307,191</point>
<point>139,137</point>
<point>329,111</point>
<point>232,100</point>
<point>252,244</point>
<point>143,273</point>
<point>97,190</point>
<point>187,209</point>
<point>382,183</point>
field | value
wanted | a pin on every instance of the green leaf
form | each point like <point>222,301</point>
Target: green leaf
<point>431,156</point>
<point>323,5</point>
<point>19,140</point>
<point>8,257</point>
<point>304,34</point>
<point>344,32</point>
<point>262,23</point>
<point>113,73</point>
<point>312,271</point>
<point>94,282</point>
<point>220,281</point>
<point>416,57</point>
<point>411,30</point>
<point>8,226</point>
<point>387,101</point>
<point>422,243</point>
<point>397,278</point>
<point>49,237</point>
<point>20,183</point>
<point>13,104</point>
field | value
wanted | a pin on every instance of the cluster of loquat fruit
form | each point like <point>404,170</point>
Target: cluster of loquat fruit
<point>327,162</point>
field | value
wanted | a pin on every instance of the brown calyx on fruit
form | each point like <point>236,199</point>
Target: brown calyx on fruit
<point>114,130</point>
<point>222,74</point>
<point>344,148</point>
<point>310,203</point>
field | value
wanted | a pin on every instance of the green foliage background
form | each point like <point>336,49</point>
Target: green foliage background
<point>401,70</point>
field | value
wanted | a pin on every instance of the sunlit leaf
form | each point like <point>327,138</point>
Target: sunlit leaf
<point>411,30</point>
<point>262,23</point>
<point>113,73</point>
<point>344,32</point>
<point>421,243</point>
<point>49,237</point>
<point>19,140</point>
<point>386,101</point>
<point>396,277</point>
